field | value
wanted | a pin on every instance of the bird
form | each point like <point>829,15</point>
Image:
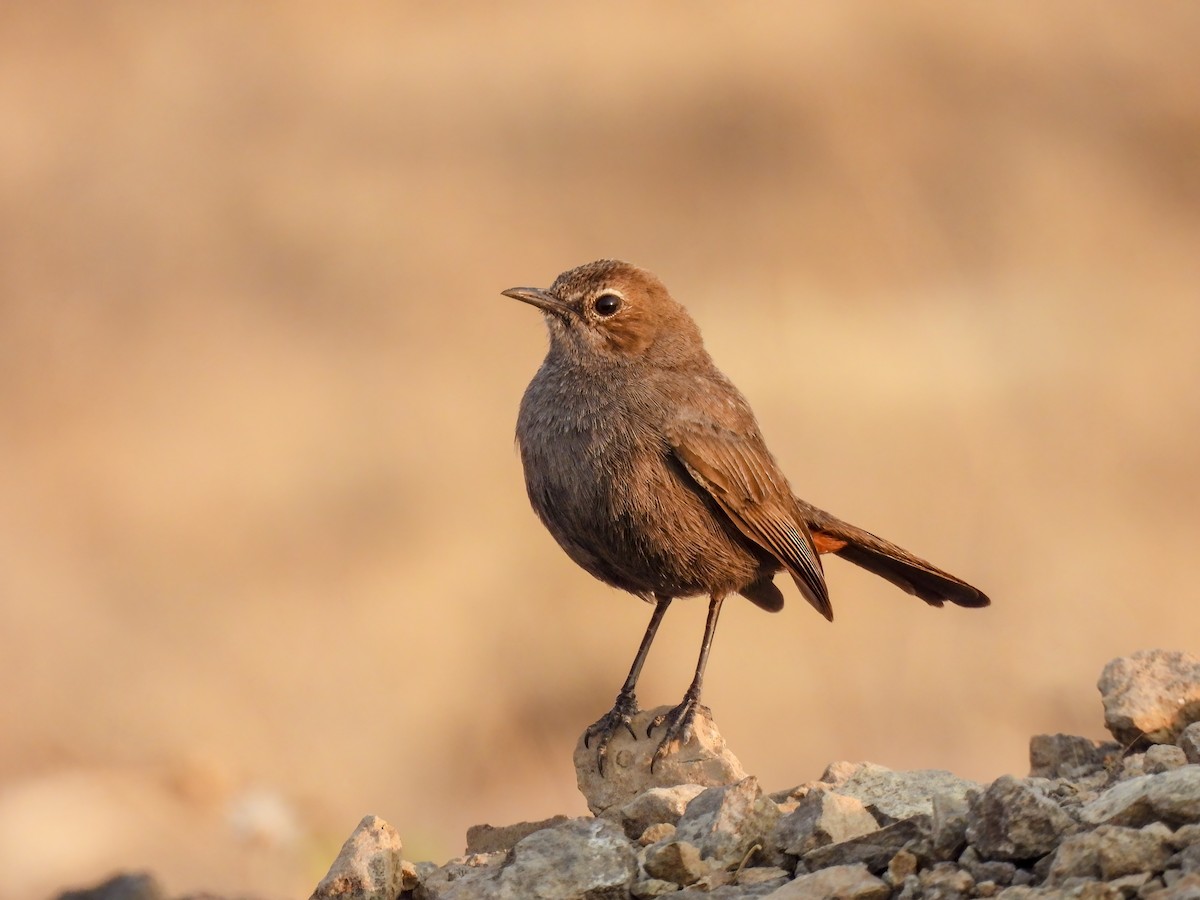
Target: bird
<point>647,466</point>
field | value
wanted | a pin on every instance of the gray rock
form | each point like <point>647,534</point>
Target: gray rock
<point>834,883</point>
<point>602,863</point>
<point>675,861</point>
<point>910,889</point>
<point>821,818</point>
<point>1185,888</point>
<point>581,859</point>
<point>1111,852</point>
<point>1172,797</point>
<point>703,760</point>
<point>1186,835</point>
<point>726,892</point>
<point>996,871</point>
<point>1163,758</point>
<point>126,886</point>
<point>948,826</point>
<point>1186,860</point>
<point>457,879</point>
<point>760,875</point>
<point>368,866</point>
<point>1189,742</point>
<point>657,806</point>
<point>1129,885</point>
<point>725,822</point>
<point>491,838</point>
<point>876,849</point>
<point>897,795</point>
<point>1015,819</point>
<point>652,887</point>
<point>1132,766</point>
<point>1023,892</point>
<point>1151,696</point>
<point>1063,755</point>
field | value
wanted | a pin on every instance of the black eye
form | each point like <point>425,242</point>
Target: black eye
<point>606,304</point>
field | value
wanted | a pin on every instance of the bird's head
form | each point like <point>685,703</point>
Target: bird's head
<point>613,311</point>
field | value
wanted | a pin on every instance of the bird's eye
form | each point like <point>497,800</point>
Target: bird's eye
<point>606,304</point>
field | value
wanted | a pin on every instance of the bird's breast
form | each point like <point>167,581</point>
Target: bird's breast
<point>602,477</point>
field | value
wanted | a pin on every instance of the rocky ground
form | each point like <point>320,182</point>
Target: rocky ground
<point>1095,821</point>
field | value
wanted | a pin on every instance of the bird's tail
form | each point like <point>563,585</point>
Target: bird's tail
<point>883,558</point>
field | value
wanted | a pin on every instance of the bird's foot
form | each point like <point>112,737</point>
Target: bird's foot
<point>620,716</point>
<point>678,723</point>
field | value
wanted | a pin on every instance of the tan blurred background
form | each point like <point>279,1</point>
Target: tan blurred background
<point>266,562</point>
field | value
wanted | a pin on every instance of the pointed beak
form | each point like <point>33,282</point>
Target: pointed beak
<point>543,300</point>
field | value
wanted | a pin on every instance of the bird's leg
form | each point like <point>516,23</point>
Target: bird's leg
<point>678,721</point>
<point>621,715</point>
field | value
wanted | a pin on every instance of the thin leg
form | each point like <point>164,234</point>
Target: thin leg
<point>625,708</point>
<point>679,720</point>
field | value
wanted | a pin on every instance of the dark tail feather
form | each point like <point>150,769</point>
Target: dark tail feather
<point>895,564</point>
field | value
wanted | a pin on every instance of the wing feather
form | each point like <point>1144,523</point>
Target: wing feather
<point>738,472</point>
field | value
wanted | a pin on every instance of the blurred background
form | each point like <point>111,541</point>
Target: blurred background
<point>266,562</point>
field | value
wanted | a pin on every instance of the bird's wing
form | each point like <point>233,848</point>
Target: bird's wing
<point>737,471</point>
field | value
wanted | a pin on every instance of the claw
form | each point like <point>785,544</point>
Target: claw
<point>678,722</point>
<point>621,715</point>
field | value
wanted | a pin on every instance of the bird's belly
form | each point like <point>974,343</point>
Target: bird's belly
<point>636,520</point>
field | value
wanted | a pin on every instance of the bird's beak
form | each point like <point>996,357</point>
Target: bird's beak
<point>543,300</point>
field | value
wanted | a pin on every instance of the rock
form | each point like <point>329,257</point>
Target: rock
<point>703,760</point>
<point>819,819</point>
<point>948,828</point>
<point>1163,758</point>
<point>126,886</point>
<point>902,865</point>
<point>1132,766</point>
<point>663,831</point>
<point>410,875</point>
<point>1111,852</point>
<point>909,890</point>
<point>834,883</point>
<point>581,859</point>
<point>368,866</point>
<point>876,849</point>
<point>1015,819</point>
<point>657,806</point>
<point>1151,696</point>
<point>677,862</point>
<point>1172,797</point>
<point>1189,742</point>
<point>725,822</point>
<point>490,839</point>
<point>458,877</point>
<point>1129,885</point>
<point>1063,755</point>
<point>760,875</point>
<point>945,881</point>
<point>1186,860</point>
<point>703,891</point>
<point>652,887</point>
<point>603,863</point>
<point>982,870</point>
<point>1186,835</point>
<point>1185,888</point>
<point>897,795</point>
